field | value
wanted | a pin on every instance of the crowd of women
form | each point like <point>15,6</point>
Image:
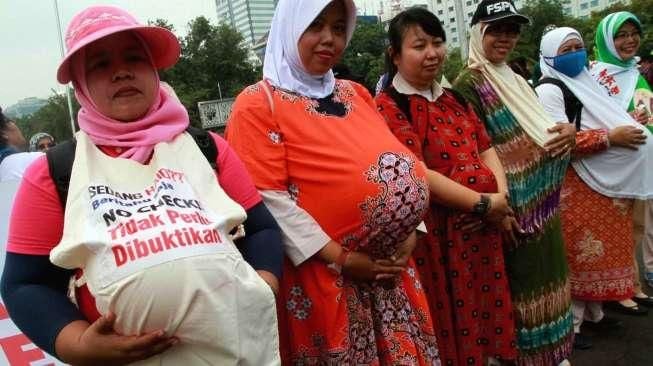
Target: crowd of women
<point>483,224</point>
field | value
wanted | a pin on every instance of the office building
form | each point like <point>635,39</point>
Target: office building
<point>251,18</point>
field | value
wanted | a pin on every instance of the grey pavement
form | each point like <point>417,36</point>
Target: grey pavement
<point>630,346</point>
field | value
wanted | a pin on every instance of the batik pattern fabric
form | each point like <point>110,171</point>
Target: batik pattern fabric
<point>536,265</point>
<point>340,163</point>
<point>463,272</point>
<point>598,232</point>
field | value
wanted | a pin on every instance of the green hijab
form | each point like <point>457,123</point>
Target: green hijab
<point>620,77</point>
<point>609,26</point>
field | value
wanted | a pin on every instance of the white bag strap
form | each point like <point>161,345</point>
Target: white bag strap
<point>266,88</point>
<point>73,284</point>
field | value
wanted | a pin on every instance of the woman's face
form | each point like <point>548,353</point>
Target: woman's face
<point>627,41</point>
<point>571,45</point>
<point>420,58</point>
<point>119,76</point>
<point>44,144</point>
<point>322,43</point>
<point>13,135</point>
<point>499,39</point>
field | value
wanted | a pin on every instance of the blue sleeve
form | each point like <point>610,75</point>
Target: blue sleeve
<point>34,292</point>
<point>261,247</point>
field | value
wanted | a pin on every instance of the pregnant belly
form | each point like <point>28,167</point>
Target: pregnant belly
<point>198,299</point>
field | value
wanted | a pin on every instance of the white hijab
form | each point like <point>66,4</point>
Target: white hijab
<point>282,66</point>
<point>617,172</point>
<point>513,90</point>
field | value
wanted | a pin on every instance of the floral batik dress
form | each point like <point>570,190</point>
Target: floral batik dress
<point>463,272</point>
<point>329,169</point>
<point>598,232</point>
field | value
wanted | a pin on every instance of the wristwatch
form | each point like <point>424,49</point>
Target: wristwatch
<point>482,207</point>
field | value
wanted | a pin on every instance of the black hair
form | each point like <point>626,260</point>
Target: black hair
<point>397,28</point>
<point>3,126</point>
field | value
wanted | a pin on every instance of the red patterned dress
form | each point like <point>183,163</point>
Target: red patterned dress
<point>463,272</point>
<point>337,161</point>
<point>598,233</point>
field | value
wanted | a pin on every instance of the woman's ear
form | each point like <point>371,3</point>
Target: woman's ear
<point>392,55</point>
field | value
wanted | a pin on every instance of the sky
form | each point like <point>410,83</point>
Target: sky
<point>29,40</point>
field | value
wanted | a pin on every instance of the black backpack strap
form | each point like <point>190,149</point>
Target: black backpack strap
<point>60,164</point>
<point>206,144</point>
<point>573,106</point>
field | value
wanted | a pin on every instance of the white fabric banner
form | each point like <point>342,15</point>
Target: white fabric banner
<point>15,347</point>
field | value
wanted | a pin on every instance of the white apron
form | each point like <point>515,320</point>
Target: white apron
<point>153,241</point>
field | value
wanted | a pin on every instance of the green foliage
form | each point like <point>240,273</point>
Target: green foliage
<point>453,64</point>
<point>542,13</point>
<point>53,118</point>
<point>365,54</point>
<point>213,63</point>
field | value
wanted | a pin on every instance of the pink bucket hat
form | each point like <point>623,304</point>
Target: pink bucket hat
<point>96,22</point>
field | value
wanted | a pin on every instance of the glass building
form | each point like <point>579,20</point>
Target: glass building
<point>250,17</point>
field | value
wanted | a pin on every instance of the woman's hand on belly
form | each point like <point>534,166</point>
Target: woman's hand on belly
<point>79,343</point>
<point>564,142</point>
<point>511,230</point>
<point>361,267</point>
<point>405,251</point>
<point>499,208</point>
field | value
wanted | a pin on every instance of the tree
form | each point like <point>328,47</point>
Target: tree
<point>365,54</point>
<point>214,62</point>
<point>53,118</point>
<point>453,64</point>
<point>542,13</point>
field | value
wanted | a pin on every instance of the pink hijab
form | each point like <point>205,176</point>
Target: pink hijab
<point>165,119</point>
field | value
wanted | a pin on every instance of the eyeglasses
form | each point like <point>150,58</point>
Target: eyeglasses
<point>508,29</point>
<point>49,145</point>
<point>626,35</point>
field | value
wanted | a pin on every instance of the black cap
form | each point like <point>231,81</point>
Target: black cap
<point>492,10</point>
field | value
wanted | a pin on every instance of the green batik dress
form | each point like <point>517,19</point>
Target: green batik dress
<point>536,265</point>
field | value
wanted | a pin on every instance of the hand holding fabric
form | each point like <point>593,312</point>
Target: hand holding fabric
<point>511,230</point>
<point>640,115</point>
<point>99,344</point>
<point>499,208</point>
<point>360,266</point>
<point>564,142</point>
<point>626,136</point>
<point>497,211</point>
<point>405,250</point>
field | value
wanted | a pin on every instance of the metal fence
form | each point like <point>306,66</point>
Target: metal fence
<point>214,113</point>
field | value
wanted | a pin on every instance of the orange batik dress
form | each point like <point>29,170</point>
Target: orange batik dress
<point>330,169</point>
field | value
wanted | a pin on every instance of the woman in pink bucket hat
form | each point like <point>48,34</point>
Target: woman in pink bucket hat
<point>141,221</point>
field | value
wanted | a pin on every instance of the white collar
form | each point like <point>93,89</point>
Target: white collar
<point>402,86</point>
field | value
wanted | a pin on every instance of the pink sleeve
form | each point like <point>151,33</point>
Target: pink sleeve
<point>36,223</point>
<point>233,176</point>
